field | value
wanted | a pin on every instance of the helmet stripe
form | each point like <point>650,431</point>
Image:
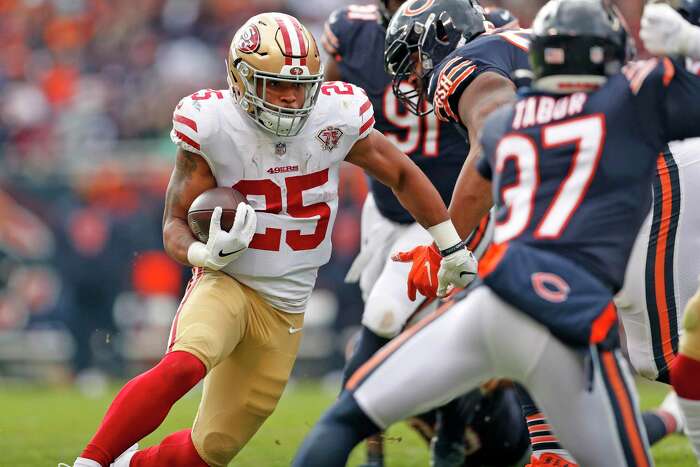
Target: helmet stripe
<point>287,41</point>
<point>300,38</point>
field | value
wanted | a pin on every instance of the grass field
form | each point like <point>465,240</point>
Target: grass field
<point>40,427</point>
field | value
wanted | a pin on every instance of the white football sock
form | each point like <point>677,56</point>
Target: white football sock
<point>83,462</point>
<point>691,415</point>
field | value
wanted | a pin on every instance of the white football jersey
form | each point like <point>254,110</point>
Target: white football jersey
<point>291,182</point>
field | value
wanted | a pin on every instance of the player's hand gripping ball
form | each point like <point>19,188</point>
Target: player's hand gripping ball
<point>224,223</point>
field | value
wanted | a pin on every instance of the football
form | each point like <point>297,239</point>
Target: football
<point>201,209</point>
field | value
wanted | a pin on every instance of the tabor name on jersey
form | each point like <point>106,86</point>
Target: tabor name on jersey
<point>540,110</point>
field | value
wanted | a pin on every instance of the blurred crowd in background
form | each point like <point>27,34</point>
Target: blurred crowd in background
<point>87,89</point>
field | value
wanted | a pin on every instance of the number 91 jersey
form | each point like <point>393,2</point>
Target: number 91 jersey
<point>355,38</point>
<point>291,182</point>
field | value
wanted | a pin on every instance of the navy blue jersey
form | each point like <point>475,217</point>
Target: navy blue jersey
<point>500,17</point>
<point>502,51</point>
<point>355,37</point>
<point>572,173</point>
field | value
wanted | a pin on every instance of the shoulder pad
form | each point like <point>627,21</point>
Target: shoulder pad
<point>492,52</point>
<point>350,104</point>
<point>652,71</point>
<point>341,23</point>
<point>447,81</point>
<point>194,120</point>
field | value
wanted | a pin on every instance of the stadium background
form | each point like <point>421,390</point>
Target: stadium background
<point>87,295</point>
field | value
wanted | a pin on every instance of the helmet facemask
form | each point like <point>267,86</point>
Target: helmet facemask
<point>279,120</point>
<point>412,47</point>
<point>418,40</point>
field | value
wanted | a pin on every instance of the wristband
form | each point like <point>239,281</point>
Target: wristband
<point>448,251</point>
<point>445,236</point>
<point>197,254</point>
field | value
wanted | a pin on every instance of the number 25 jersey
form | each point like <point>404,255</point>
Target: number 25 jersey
<point>291,182</point>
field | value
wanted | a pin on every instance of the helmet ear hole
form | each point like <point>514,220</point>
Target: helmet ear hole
<point>441,31</point>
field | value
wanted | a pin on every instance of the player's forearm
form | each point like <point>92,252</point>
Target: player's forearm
<point>471,198</point>
<point>417,194</point>
<point>177,238</point>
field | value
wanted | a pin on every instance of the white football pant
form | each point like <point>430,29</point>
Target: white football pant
<point>591,402</point>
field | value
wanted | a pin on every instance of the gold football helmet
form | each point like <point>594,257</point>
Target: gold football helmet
<point>274,47</point>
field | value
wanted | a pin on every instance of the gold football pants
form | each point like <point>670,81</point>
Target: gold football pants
<point>248,348</point>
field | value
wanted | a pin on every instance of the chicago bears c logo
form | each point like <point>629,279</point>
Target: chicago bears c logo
<point>550,287</point>
<point>329,138</point>
<point>416,7</point>
<point>249,40</point>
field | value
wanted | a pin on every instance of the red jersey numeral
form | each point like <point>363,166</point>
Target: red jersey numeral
<point>270,239</point>
<point>206,94</point>
<point>337,87</point>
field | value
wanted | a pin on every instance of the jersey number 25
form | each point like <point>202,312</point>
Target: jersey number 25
<point>271,239</point>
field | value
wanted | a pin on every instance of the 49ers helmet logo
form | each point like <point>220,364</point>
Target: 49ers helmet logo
<point>250,40</point>
<point>329,138</point>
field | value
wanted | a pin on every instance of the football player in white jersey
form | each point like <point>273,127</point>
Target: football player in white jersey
<point>657,307</point>
<point>278,136</point>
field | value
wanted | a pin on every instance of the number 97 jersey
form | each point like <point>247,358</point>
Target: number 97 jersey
<point>572,173</point>
<point>291,182</point>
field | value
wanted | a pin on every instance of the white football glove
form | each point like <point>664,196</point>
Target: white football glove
<point>457,269</point>
<point>665,32</point>
<point>223,247</point>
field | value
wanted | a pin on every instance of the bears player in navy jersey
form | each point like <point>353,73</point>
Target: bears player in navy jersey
<point>501,18</point>
<point>571,163</point>
<point>354,39</point>
<point>464,84</point>
<point>464,88</point>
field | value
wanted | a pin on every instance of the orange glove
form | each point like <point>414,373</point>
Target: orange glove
<point>424,270</point>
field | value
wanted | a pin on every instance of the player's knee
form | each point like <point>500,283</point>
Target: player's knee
<point>347,412</point>
<point>643,364</point>
<point>382,316</point>
<point>218,449</point>
<point>180,369</point>
<point>690,341</point>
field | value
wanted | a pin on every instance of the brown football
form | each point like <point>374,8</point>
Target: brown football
<point>199,214</point>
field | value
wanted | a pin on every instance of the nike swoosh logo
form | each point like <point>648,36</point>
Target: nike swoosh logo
<point>223,255</point>
<point>430,279</point>
<point>293,330</point>
<point>467,273</point>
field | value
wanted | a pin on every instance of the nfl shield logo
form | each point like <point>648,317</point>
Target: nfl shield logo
<point>329,138</point>
<point>554,56</point>
<point>280,149</point>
